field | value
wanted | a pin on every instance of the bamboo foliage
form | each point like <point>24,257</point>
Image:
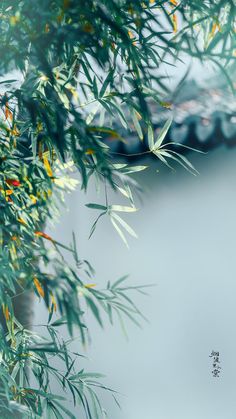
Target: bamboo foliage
<point>69,71</point>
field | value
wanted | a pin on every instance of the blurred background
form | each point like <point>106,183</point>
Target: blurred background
<point>187,248</point>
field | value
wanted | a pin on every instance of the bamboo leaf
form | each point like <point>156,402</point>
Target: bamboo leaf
<point>136,124</point>
<point>121,208</point>
<point>125,225</point>
<point>119,231</point>
<point>162,135</point>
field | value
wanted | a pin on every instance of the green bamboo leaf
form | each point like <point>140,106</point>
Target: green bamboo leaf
<point>95,223</point>
<point>121,208</point>
<point>96,206</point>
<point>126,191</point>
<point>125,225</point>
<point>137,124</point>
<point>130,169</point>
<point>162,135</point>
<point>119,281</point>
<point>93,113</point>
<point>94,309</point>
<point>119,231</point>
<point>107,81</point>
<point>66,411</point>
<point>150,137</point>
<point>162,158</point>
<point>186,164</point>
<point>95,87</point>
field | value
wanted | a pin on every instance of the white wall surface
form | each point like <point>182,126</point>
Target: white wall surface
<point>187,247</point>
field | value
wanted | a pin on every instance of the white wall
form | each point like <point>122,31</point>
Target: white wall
<point>187,247</point>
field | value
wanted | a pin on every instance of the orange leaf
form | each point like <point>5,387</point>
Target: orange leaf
<point>66,4</point>
<point>8,113</point>
<point>88,28</point>
<point>8,192</point>
<point>44,235</point>
<point>14,132</point>
<point>40,150</point>
<point>39,287</point>
<point>89,151</point>
<point>132,36</point>
<point>6,312</point>
<point>174,21</point>
<point>214,27</point>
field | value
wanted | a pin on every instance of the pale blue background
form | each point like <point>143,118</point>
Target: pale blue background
<point>187,247</point>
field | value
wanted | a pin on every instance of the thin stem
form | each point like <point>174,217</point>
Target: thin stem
<point>131,154</point>
<point>106,197</point>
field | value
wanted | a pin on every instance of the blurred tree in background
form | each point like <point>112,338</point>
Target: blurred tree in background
<point>71,69</point>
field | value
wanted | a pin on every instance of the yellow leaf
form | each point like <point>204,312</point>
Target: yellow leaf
<point>47,166</point>
<point>6,192</point>
<point>39,127</point>
<point>53,301</point>
<point>174,21</point>
<point>13,252</point>
<point>14,19</point>
<point>39,287</point>
<point>166,104</point>
<point>44,78</point>
<point>138,115</point>
<point>33,199</point>
<point>89,151</point>
<point>89,285</point>
<point>22,221</point>
<point>73,92</point>
<point>215,26</point>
